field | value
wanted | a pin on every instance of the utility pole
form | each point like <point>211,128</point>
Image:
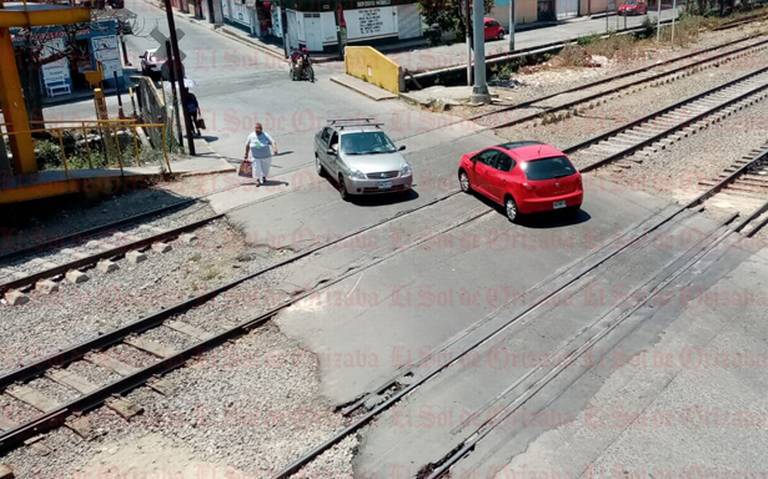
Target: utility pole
<point>674,16</point>
<point>480,90</point>
<point>179,74</point>
<point>284,27</point>
<point>468,29</point>
<point>512,26</point>
<point>658,22</point>
<point>174,98</point>
<point>211,13</point>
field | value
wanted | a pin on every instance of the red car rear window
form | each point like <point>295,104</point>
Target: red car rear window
<point>548,168</point>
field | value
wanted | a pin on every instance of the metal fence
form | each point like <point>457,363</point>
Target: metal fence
<point>93,144</point>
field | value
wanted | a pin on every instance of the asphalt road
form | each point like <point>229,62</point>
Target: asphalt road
<point>238,85</point>
<point>380,318</point>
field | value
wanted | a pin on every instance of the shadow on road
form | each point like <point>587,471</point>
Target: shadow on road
<point>383,198</point>
<point>553,219</point>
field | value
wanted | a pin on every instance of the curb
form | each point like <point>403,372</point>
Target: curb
<point>339,81</point>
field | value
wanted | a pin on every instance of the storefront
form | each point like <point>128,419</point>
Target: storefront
<point>64,55</point>
<point>314,24</point>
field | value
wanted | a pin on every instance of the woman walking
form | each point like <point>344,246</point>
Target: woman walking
<point>261,146</point>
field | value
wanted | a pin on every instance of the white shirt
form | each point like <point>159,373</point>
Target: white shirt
<point>261,144</point>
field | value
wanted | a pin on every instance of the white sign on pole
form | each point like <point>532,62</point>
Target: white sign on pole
<point>105,51</point>
<point>371,22</point>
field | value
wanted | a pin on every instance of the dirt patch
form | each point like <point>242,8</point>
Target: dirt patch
<point>153,455</point>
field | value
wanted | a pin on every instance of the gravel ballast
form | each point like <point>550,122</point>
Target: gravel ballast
<point>107,301</point>
<point>677,169</point>
<point>552,79</point>
<point>620,110</point>
<point>249,407</point>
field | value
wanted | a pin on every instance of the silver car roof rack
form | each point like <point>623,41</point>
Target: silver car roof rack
<point>342,123</point>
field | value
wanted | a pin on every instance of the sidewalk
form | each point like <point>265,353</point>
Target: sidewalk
<point>456,54</point>
<point>420,58</point>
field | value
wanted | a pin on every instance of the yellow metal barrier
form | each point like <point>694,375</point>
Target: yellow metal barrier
<point>371,65</point>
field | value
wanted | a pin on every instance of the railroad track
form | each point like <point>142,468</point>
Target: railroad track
<point>644,136</point>
<point>96,351</point>
<point>744,184</point>
<point>88,233</point>
<point>560,105</point>
<point>586,340</point>
<point>742,21</point>
<point>410,378</point>
<point>100,252</point>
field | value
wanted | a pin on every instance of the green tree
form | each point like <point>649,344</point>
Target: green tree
<point>449,15</point>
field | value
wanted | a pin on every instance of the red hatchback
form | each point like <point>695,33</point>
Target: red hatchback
<point>524,177</point>
<point>493,29</point>
<point>633,7</point>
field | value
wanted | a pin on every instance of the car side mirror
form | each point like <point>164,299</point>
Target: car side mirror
<point>402,148</point>
<point>331,151</point>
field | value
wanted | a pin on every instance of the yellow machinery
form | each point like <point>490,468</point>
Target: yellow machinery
<point>25,15</point>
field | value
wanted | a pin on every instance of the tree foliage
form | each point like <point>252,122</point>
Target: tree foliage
<point>449,15</point>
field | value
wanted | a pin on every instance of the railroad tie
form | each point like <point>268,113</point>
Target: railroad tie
<point>72,380</point>
<point>31,396</point>
<point>110,363</point>
<point>6,423</point>
<point>152,347</point>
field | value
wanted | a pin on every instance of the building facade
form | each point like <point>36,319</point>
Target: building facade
<point>75,52</point>
<point>320,25</point>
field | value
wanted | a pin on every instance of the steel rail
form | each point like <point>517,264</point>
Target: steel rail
<point>365,419</point>
<point>652,139</point>
<point>61,240</point>
<point>611,78</point>
<point>115,252</point>
<point>56,417</point>
<point>73,353</point>
<point>612,91</point>
<point>488,425</point>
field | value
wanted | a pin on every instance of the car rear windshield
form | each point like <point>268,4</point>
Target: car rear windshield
<point>548,168</point>
<point>366,143</point>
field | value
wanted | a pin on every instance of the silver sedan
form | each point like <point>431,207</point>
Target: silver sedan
<point>361,159</point>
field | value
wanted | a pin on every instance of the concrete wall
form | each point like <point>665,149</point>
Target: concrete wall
<point>525,12</point>
<point>370,65</point>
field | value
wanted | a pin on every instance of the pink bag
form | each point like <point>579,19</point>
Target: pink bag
<point>246,169</point>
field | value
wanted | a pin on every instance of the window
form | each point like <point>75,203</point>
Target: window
<point>334,140</point>
<point>488,157</point>
<point>325,135</point>
<point>366,143</point>
<point>503,162</point>
<point>548,168</point>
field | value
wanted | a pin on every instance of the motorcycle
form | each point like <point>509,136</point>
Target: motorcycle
<point>301,66</point>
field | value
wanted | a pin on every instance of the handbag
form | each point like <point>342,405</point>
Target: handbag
<point>200,123</point>
<point>245,169</point>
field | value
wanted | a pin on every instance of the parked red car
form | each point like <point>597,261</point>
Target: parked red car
<point>524,177</point>
<point>633,7</point>
<point>493,29</point>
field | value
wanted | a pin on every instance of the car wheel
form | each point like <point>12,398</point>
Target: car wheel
<point>464,182</point>
<point>510,208</point>
<point>319,166</point>
<point>343,189</point>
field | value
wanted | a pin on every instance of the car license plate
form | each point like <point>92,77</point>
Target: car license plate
<point>558,204</point>
<point>385,185</point>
